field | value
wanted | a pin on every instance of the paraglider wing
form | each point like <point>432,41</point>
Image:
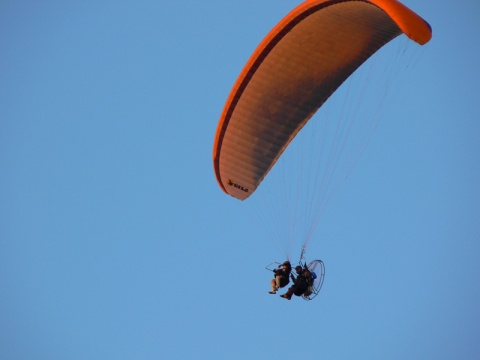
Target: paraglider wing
<point>294,70</point>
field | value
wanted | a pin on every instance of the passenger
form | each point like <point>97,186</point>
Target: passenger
<point>281,277</point>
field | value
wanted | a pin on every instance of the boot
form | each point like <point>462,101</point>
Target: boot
<point>287,295</point>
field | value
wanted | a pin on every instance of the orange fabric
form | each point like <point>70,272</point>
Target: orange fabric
<point>293,71</point>
<point>409,22</point>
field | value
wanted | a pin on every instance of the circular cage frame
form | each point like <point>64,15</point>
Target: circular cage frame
<point>318,267</point>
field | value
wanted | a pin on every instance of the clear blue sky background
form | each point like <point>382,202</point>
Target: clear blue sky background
<point>117,243</point>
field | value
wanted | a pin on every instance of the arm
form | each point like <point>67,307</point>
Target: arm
<point>293,278</point>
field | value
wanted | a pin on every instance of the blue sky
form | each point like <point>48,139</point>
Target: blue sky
<point>117,243</point>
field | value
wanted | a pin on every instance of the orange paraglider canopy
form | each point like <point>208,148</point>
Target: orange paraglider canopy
<point>294,70</point>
